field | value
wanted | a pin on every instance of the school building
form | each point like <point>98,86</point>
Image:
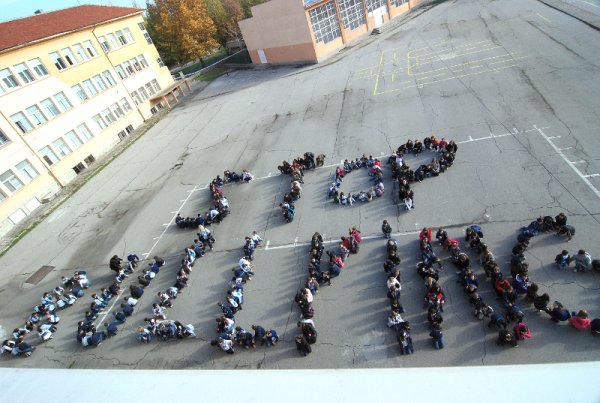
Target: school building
<point>301,31</point>
<point>73,83</point>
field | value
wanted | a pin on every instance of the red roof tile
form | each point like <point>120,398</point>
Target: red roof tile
<point>29,29</point>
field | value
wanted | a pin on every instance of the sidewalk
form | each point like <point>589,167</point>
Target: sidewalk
<point>572,10</point>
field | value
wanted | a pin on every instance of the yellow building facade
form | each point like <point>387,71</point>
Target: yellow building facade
<point>73,83</point>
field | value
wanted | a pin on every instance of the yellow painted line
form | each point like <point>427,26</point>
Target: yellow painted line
<point>447,79</point>
<point>509,56</point>
<point>393,77</point>
<point>408,62</point>
<point>464,54</point>
<point>513,59</point>
<point>378,72</point>
<point>454,47</point>
<point>543,18</point>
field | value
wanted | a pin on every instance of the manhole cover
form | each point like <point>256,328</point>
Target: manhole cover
<point>36,277</point>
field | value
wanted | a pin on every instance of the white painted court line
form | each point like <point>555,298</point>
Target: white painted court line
<point>496,136</point>
<point>157,240</point>
<point>578,162</point>
<point>577,171</point>
<point>330,241</point>
<point>592,176</point>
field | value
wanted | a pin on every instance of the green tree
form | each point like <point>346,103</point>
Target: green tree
<point>182,30</point>
<point>225,15</point>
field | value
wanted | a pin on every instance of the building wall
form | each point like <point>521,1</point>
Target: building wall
<point>279,29</point>
<point>60,170</point>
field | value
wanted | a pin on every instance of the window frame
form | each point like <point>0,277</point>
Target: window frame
<point>36,67</point>
<point>10,81</point>
<point>60,144</point>
<point>91,89</point>
<point>36,114</point>
<point>50,107</point>
<point>59,63</point>
<point>70,136</point>
<point>60,98</point>
<point>48,156</point>
<point>25,174</point>
<point>7,182</point>
<point>78,90</point>
<point>25,128</point>
<point>87,44</point>
<point>108,77</point>
<point>25,74</point>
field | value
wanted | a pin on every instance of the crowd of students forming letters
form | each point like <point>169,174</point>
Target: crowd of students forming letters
<point>44,319</point>
<point>510,323</point>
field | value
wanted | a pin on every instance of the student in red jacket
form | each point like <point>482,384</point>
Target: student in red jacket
<point>580,321</point>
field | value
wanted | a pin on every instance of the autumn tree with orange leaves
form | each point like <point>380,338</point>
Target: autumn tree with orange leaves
<point>182,30</point>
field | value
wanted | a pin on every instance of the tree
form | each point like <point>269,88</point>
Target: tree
<point>182,30</point>
<point>225,15</point>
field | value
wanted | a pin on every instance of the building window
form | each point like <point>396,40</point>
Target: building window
<point>5,140</point>
<point>89,46</point>
<point>148,38</point>
<point>11,182</point>
<point>84,132</point>
<point>108,116</point>
<point>73,140</point>
<point>78,168</point>
<point>128,68</point>
<point>39,68</point>
<point>128,35</point>
<point>113,41</point>
<point>155,85</point>
<point>80,52</point>
<point>160,62</point>
<point>9,80</point>
<point>116,109</point>
<point>50,108</point>
<point>89,87</point>
<point>352,13</point>
<point>99,82</point>
<point>48,156</point>
<point>63,101</point>
<point>21,121</point>
<point>142,26</point>
<point>121,38</point>
<point>136,97</point>
<point>79,92</point>
<point>100,122</point>
<point>120,72</point>
<point>398,3</point>
<point>325,23</point>
<point>89,159</point>
<point>36,115</point>
<point>58,61</point>
<point>69,56</point>
<point>143,93</point>
<point>104,44</point>
<point>62,147</point>
<point>136,65</point>
<point>2,196</point>
<point>373,5</point>
<point>28,172</point>
<point>129,129</point>
<point>109,78</point>
<point>125,105</point>
<point>143,62</point>
<point>150,89</point>
<point>24,73</point>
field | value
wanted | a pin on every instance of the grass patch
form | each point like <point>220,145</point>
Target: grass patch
<point>208,60</point>
<point>211,74</point>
